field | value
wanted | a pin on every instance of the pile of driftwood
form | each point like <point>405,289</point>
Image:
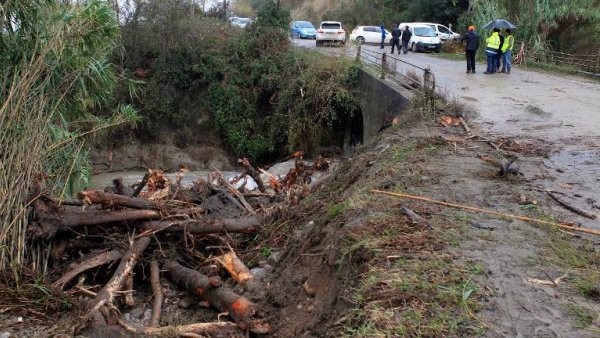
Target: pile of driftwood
<point>105,243</point>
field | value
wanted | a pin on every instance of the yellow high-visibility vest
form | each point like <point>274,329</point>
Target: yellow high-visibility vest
<point>509,41</point>
<point>493,42</point>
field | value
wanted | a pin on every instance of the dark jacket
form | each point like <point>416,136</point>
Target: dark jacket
<point>406,35</point>
<point>396,33</point>
<point>472,40</point>
<point>501,43</point>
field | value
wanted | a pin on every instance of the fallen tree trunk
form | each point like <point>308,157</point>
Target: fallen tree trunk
<point>190,279</point>
<point>95,261</point>
<point>110,200</point>
<point>206,226</point>
<point>107,294</point>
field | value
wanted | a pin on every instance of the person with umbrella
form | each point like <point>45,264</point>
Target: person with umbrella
<point>471,46</point>
<point>507,47</point>
<point>491,49</point>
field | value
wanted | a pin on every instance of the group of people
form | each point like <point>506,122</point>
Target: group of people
<point>498,50</point>
<point>397,35</point>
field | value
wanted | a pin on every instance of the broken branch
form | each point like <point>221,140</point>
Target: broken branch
<point>476,209</point>
<point>96,260</point>
<point>571,208</point>
<point>109,200</point>
<point>158,294</point>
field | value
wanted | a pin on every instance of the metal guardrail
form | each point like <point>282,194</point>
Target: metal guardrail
<point>403,73</point>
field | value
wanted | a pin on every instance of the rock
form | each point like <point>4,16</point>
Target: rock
<point>4,334</point>
<point>310,291</point>
<point>187,302</point>
<point>275,257</point>
<point>259,272</point>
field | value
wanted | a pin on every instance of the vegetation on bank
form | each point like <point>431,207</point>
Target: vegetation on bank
<point>263,96</point>
<point>55,85</point>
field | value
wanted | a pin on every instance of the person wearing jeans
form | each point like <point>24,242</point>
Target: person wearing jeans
<point>507,48</point>
<point>491,51</point>
<point>396,33</point>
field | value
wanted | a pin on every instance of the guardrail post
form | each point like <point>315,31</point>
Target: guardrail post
<point>383,60</point>
<point>358,53</point>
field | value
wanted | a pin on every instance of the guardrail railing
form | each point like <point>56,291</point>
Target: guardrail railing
<point>403,73</point>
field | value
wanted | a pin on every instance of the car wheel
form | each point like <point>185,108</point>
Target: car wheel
<point>414,47</point>
<point>318,43</point>
<point>360,40</point>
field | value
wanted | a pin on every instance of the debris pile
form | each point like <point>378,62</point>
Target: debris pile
<point>107,243</point>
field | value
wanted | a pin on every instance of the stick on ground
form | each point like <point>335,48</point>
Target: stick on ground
<point>95,261</point>
<point>572,208</point>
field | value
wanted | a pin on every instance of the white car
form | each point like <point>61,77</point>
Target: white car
<point>240,22</point>
<point>369,34</point>
<point>424,38</point>
<point>332,31</point>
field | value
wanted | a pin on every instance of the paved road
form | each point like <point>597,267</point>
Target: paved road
<point>524,103</point>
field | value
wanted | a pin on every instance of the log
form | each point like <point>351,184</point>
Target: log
<point>249,170</point>
<point>238,270</point>
<point>206,225</point>
<point>89,263</point>
<point>111,200</point>
<point>240,308</point>
<point>158,294</point>
<point>190,279</point>
<point>572,208</point>
<point>216,330</point>
<point>96,217</point>
<point>107,294</point>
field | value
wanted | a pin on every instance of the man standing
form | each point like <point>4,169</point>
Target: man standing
<point>406,35</point>
<point>499,54</point>
<point>396,33</point>
<point>471,46</point>
<point>491,49</point>
<point>382,36</point>
<point>507,48</point>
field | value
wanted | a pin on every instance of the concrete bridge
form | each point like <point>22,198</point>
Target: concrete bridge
<point>380,101</point>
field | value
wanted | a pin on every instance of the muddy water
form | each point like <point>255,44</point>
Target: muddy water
<point>130,177</point>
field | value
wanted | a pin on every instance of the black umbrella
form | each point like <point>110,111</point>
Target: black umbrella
<point>500,24</point>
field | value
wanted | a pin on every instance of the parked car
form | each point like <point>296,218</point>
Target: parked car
<point>331,31</point>
<point>443,32</point>
<point>369,34</point>
<point>239,22</point>
<point>303,30</point>
<point>424,37</point>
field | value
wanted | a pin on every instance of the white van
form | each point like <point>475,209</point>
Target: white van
<point>443,32</point>
<point>424,37</point>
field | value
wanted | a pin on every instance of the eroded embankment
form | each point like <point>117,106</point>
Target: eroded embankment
<point>356,263</point>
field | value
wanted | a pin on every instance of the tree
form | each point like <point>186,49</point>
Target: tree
<point>56,76</point>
